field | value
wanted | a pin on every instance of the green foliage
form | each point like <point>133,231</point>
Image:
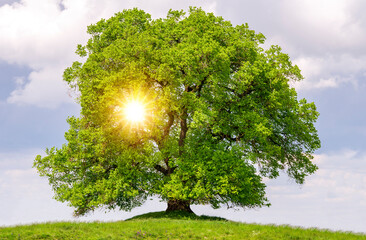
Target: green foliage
<point>221,115</point>
<point>169,228</point>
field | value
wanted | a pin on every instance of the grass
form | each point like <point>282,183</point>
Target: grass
<point>161,225</point>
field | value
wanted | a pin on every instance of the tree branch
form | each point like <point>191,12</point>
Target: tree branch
<point>199,87</point>
<point>169,125</point>
<point>161,169</point>
<point>240,95</point>
<point>183,130</point>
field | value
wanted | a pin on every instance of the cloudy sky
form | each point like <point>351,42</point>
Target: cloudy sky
<point>325,38</point>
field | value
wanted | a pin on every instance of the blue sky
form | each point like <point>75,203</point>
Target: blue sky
<point>325,38</point>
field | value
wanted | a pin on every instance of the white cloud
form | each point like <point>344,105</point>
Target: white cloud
<point>330,71</point>
<point>44,89</point>
<point>327,36</point>
<point>19,81</point>
<point>43,35</point>
<point>322,26</point>
<point>27,198</point>
<point>327,40</point>
<point>334,197</point>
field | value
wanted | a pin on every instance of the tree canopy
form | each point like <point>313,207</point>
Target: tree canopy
<point>220,115</point>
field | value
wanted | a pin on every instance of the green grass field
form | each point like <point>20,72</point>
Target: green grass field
<point>168,226</point>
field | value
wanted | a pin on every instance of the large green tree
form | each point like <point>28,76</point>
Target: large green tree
<point>220,116</point>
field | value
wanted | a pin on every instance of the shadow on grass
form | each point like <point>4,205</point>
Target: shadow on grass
<point>175,215</point>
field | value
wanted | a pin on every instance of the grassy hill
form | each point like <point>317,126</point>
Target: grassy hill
<point>168,226</point>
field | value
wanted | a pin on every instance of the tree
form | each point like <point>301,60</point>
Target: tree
<point>220,116</point>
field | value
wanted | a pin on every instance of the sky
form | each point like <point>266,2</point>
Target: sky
<point>325,38</point>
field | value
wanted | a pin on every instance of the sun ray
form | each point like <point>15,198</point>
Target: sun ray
<point>134,111</point>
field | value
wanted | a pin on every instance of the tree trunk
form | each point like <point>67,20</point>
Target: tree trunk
<point>178,205</point>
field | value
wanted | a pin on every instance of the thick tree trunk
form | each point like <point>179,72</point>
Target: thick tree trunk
<point>178,205</point>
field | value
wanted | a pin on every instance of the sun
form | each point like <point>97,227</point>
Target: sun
<point>134,111</point>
